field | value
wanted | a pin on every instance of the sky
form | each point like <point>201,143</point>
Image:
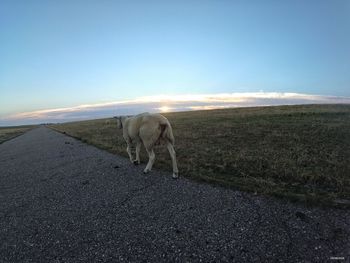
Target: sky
<point>59,57</point>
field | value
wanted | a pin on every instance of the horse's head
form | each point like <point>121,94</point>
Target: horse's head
<point>119,122</point>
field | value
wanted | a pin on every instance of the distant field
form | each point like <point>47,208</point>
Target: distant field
<point>300,152</point>
<point>7,133</point>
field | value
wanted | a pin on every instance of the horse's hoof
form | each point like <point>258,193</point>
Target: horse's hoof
<point>145,171</point>
<point>175,176</point>
<point>136,162</point>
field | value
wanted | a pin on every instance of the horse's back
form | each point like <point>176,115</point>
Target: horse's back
<point>154,118</point>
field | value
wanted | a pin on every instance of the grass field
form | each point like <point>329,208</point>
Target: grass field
<point>7,133</point>
<point>299,152</point>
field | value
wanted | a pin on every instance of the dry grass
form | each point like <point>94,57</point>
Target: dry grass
<point>300,152</point>
<point>7,133</point>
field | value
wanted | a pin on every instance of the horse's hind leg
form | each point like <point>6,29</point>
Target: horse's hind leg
<point>151,159</point>
<point>173,159</point>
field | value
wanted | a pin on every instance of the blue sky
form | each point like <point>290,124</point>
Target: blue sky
<point>56,54</point>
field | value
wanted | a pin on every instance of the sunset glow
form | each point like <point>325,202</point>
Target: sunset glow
<point>165,109</point>
<point>163,103</point>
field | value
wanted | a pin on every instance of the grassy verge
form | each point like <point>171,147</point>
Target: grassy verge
<point>7,133</point>
<point>299,152</point>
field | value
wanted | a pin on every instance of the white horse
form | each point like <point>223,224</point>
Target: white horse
<point>151,129</point>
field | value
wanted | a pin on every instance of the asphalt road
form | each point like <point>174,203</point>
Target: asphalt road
<point>64,201</point>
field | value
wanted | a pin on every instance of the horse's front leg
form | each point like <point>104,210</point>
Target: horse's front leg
<point>151,159</point>
<point>128,149</point>
<point>138,148</point>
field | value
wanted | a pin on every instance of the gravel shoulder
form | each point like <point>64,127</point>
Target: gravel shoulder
<point>65,201</point>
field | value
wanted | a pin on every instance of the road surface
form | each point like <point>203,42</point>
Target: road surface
<point>65,201</point>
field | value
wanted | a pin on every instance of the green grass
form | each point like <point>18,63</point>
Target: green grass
<point>7,133</point>
<point>299,152</point>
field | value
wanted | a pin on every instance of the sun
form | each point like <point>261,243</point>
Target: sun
<point>164,109</point>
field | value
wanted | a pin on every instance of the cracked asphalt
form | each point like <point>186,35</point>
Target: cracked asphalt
<point>65,201</point>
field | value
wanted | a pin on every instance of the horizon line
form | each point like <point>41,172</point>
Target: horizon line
<point>167,103</point>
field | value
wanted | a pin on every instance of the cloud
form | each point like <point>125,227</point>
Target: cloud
<point>164,103</point>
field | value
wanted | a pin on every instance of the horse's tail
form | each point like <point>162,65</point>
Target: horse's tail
<point>167,132</point>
